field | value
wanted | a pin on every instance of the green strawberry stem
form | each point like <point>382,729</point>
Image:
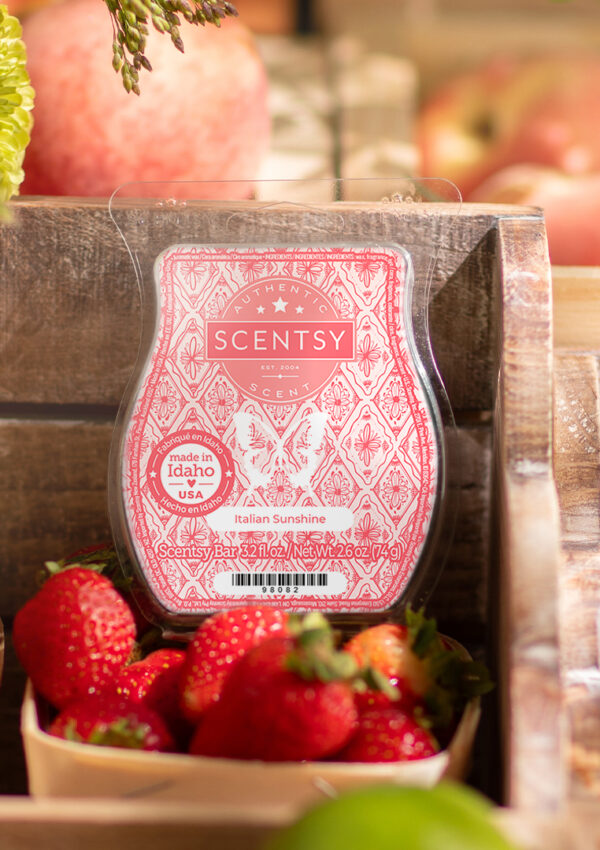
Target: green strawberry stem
<point>120,733</point>
<point>131,19</point>
<point>315,657</point>
<point>455,679</point>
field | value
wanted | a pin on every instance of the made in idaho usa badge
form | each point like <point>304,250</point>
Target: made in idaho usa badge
<point>280,441</point>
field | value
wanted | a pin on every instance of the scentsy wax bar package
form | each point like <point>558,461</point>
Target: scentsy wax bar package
<point>282,439</point>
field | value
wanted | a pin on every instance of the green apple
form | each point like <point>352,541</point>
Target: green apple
<point>446,817</point>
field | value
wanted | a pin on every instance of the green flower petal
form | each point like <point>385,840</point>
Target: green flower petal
<point>16,103</point>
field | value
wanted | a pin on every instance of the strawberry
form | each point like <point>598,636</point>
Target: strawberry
<point>287,699</point>
<point>387,648</point>
<point>154,682</point>
<point>388,734</point>
<point>432,678</point>
<point>74,635</point>
<point>112,721</point>
<point>103,558</point>
<point>217,644</point>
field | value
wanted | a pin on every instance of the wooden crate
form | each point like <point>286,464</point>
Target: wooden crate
<point>71,311</point>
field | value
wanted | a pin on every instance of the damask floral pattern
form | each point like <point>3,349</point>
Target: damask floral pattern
<point>192,358</point>
<point>393,399</point>
<point>279,490</point>
<point>337,489</point>
<point>367,443</point>
<point>396,489</point>
<point>376,459</point>
<point>166,400</point>
<point>337,400</point>
<point>368,355</point>
<point>221,401</point>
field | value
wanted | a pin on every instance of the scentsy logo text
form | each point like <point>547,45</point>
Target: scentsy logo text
<point>325,340</point>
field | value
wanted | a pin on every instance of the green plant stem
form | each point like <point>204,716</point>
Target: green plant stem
<point>131,20</point>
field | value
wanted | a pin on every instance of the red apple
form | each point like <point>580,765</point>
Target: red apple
<point>201,115</point>
<point>571,205</point>
<point>542,110</point>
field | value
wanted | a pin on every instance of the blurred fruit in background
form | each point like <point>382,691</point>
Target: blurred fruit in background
<point>571,205</point>
<point>268,16</point>
<point>21,7</point>
<point>201,115</point>
<point>537,112</point>
<point>447,817</point>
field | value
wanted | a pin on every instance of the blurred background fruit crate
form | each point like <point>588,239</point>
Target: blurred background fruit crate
<point>443,36</point>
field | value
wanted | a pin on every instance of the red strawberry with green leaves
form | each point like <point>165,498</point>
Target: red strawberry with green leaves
<point>289,699</point>
<point>388,734</point>
<point>218,643</point>
<point>110,720</point>
<point>154,682</point>
<point>432,678</point>
<point>387,648</point>
<point>103,558</point>
<point>74,635</point>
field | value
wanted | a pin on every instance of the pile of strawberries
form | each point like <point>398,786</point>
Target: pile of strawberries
<point>254,682</point>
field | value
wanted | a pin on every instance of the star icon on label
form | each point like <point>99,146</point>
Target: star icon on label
<point>299,309</point>
<point>260,309</point>
<point>280,305</point>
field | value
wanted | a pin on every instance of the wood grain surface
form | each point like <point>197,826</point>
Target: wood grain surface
<point>576,293</point>
<point>528,631</point>
<point>577,473</point>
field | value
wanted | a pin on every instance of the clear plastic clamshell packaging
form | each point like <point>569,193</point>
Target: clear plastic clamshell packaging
<point>284,436</point>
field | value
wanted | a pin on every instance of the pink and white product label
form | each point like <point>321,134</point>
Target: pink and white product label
<point>281,443</point>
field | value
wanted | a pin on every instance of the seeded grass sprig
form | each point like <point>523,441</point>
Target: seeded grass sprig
<point>131,20</point>
<point>16,103</point>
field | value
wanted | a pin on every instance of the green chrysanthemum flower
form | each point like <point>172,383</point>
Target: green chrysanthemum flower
<point>16,103</point>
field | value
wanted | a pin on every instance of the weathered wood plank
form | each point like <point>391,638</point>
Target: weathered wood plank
<point>580,606</point>
<point>53,497</point>
<point>129,825</point>
<point>134,825</point>
<point>55,502</point>
<point>70,308</point>
<point>576,307</point>
<point>528,632</point>
<point>577,447</point>
<point>69,305</point>
<point>577,473</point>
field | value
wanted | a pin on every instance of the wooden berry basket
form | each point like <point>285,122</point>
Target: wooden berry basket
<point>58,768</point>
<point>69,335</point>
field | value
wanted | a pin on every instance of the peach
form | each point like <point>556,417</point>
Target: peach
<point>201,115</point>
<point>571,207</point>
<point>543,110</point>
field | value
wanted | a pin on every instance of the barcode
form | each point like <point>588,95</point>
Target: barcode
<point>279,579</point>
